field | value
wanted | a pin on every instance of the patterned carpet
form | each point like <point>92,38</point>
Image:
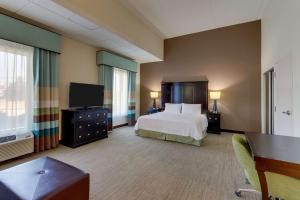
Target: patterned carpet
<point>129,167</point>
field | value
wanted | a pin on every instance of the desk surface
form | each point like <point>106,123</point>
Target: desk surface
<point>275,147</point>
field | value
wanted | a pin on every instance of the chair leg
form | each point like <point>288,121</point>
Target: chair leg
<point>239,191</point>
<point>247,181</point>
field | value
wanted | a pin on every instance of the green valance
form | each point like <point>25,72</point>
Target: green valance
<point>113,60</point>
<point>18,31</point>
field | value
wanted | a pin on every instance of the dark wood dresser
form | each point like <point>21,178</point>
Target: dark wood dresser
<point>83,126</point>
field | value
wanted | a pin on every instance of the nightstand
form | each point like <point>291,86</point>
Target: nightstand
<point>214,121</point>
<point>154,110</point>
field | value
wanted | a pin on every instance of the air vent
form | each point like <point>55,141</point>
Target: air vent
<point>7,138</point>
<point>16,147</point>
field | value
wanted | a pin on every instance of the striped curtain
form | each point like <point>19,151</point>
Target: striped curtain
<point>46,110</point>
<point>106,78</point>
<point>131,98</point>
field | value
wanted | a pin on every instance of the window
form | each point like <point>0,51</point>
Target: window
<point>120,93</point>
<point>16,85</point>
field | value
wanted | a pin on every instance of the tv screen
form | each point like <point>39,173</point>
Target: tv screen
<point>85,95</point>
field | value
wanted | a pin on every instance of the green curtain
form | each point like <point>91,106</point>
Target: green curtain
<point>46,106</point>
<point>131,98</point>
<point>106,78</point>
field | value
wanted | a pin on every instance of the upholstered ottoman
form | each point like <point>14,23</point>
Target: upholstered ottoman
<point>44,178</point>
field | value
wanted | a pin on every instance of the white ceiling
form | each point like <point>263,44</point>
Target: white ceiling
<point>70,24</point>
<point>169,18</point>
<point>174,18</point>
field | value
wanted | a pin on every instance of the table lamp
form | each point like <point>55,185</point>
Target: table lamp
<point>154,96</point>
<point>215,95</point>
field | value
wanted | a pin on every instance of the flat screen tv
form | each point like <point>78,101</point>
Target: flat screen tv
<point>85,95</point>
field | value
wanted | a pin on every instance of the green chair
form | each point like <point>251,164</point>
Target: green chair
<point>279,186</point>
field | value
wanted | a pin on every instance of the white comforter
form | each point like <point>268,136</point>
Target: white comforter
<point>177,124</point>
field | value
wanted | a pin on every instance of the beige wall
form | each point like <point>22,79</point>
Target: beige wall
<point>229,57</point>
<point>77,63</point>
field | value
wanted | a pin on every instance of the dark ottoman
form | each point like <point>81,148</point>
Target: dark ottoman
<point>44,178</point>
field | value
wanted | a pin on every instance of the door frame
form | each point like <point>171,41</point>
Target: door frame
<point>269,100</point>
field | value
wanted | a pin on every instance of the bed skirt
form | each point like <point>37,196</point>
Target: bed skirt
<point>168,137</point>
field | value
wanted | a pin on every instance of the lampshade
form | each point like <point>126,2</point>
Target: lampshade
<point>215,95</point>
<point>154,95</point>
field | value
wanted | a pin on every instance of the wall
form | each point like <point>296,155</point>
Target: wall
<point>280,40</point>
<point>229,57</point>
<point>77,63</point>
<point>113,16</point>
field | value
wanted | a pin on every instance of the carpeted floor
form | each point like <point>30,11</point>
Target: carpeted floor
<point>129,167</point>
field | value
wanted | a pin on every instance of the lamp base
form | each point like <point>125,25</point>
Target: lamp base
<point>154,103</point>
<point>215,107</point>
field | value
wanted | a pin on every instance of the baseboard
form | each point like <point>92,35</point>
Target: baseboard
<point>119,126</point>
<point>232,131</point>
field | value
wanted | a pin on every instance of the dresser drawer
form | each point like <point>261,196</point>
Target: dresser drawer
<point>83,116</point>
<point>100,114</point>
<point>80,137</point>
<point>90,115</point>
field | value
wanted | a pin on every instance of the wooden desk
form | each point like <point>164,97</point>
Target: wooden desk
<point>274,153</point>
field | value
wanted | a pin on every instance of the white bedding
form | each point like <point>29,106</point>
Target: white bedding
<point>177,124</point>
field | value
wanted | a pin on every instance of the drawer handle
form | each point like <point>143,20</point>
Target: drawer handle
<point>89,134</point>
<point>80,136</point>
<point>104,122</point>
<point>97,131</point>
<point>80,126</point>
<point>216,118</point>
<point>103,130</point>
<point>80,117</point>
<point>89,115</point>
<point>97,123</point>
<point>98,115</point>
<point>89,125</point>
<point>209,118</point>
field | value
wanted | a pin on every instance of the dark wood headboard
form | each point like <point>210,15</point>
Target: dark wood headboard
<point>195,92</point>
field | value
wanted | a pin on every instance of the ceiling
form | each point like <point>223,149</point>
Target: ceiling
<point>174,18</point>
<point>71,24</point>
<point>168,18</point>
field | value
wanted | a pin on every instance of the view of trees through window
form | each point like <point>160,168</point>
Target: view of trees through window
<point>15,88</point>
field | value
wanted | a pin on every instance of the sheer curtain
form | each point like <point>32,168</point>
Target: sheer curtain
<point>120,95</point>
<point>16,88</point>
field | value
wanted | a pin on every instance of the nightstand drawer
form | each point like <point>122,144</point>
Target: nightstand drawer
<point>214,123</point>
<point>213,119</point>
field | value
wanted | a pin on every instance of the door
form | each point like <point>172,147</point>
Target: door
<point>283,118</point>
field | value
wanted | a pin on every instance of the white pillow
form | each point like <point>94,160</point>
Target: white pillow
<point>191,108</point>
<point>173,108</point>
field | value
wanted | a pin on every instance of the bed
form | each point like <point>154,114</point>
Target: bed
<point>184,128</point>
<point>181,123</point>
